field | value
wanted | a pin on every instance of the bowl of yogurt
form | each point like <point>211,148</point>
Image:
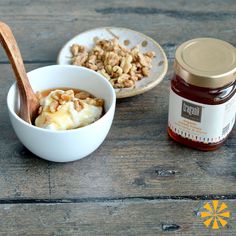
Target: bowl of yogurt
<point>77,107</point>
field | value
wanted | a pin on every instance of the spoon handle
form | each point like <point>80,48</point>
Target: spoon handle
<point>27,96</point>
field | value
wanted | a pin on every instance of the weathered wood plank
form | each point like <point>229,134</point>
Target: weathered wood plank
<point>133,217</point>
<point>18,172</point>
<point>136,159</point>
<point>42,30</point>
<point>117,189</point>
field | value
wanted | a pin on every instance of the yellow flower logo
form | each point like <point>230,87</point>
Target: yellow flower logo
<point>215,214</point>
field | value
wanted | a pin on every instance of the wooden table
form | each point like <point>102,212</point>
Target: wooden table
<point>139,182</point>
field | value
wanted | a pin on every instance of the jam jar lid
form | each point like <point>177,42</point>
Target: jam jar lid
<point>206,62</point>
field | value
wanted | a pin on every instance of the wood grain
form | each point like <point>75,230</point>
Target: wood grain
<point>111,218</point>
<point>136,159</point>
<point>169,22</point>
<point>139,182</point>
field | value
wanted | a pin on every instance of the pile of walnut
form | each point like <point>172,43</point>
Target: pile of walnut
<point>120,65</point>
<point>60,97</point>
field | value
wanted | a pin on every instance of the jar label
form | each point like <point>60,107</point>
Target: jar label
<point>201,122</point>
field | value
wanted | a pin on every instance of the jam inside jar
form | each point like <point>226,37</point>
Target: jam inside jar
<point>203,94</point>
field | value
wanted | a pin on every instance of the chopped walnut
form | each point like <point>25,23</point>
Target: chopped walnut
<point>111,59</point>
<point>145,71</point>
<point>150,54</point>
<point>78,105</point>
<point>60,97</point>
<point>53,106</point>
<point>80,59</point>
<point>99,102</point>
<point>95,101</point>
<point>82,95</point>
<point>129,83</point>
<point>69,92</point>
<point>76,49</point>
<point>118,70</point>
<point>120,65</point>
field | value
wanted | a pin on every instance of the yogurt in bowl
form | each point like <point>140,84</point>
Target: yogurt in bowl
<point>71,144</point>
<point>67,109</point>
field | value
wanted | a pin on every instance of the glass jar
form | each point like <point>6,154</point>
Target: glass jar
<point>202,101</point>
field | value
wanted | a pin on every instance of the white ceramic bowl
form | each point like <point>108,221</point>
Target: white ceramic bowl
<point>69,145</point>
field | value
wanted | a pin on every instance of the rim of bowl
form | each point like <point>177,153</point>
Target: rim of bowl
<point>69,130</point>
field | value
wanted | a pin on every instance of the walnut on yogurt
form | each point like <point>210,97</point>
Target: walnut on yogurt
<point>67,109</point>
<point>120,65</point>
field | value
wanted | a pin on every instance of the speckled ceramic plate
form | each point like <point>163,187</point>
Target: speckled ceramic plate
<point>129,38</point>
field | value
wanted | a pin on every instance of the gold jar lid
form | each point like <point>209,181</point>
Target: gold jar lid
<point>206,62</point>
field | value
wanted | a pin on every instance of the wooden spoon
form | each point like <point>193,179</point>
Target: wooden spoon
<point>29,103</point>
